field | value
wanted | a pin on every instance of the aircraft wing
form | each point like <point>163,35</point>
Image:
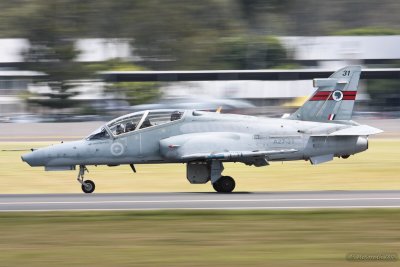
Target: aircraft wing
<point>232,155</point>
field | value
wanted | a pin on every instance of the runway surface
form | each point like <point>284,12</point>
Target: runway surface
<point>166,201</point>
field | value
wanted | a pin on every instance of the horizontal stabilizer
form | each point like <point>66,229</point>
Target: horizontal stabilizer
<point>231,155</point>
<point>327,82</point>
<point>357,130</point>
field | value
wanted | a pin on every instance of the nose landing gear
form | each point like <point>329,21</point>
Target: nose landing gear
<point>88,186</point>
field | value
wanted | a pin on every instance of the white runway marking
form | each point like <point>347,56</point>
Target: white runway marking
<point>192,201</point>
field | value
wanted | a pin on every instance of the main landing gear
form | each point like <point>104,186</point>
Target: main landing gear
<point>221,184</point>
<point>88,186</point>
<point>225,184</point>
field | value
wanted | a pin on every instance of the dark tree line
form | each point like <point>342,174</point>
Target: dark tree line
<point>182,34</point>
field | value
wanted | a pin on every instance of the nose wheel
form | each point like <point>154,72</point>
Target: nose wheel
<point>87,186</point>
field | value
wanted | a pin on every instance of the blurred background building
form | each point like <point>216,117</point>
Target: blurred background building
<point>51,53</point>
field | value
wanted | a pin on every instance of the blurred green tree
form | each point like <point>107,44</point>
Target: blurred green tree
<point>384,94</point>
<point>134,92</point>
<point>257,52</point>
<point>178,34</point>
<point>50,29</point>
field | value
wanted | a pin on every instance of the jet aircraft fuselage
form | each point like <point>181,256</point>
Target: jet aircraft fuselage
<point>200,133</point>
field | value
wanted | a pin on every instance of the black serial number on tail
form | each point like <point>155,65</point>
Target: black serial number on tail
<point>346,73</point>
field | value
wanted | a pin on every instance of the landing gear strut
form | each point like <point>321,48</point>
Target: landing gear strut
<point>88,186</point>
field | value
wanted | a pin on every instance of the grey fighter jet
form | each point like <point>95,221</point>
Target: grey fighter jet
<point>318,131</point>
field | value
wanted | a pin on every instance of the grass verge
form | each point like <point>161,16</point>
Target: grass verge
<point>197,238</point>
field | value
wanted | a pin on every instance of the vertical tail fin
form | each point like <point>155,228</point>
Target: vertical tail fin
<point>334,98</point>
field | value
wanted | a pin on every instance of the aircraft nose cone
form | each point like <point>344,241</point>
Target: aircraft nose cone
<point>34,158</point>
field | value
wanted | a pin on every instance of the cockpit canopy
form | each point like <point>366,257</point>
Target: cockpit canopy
<point>136,121</point>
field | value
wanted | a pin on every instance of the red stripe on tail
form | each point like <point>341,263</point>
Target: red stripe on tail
<point>327,95</point>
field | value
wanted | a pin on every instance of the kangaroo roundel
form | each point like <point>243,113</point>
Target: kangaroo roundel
<point>117,149</point>
<point>337,95</point>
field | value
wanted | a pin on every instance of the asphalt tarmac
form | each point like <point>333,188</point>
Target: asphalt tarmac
<point>198,201</point>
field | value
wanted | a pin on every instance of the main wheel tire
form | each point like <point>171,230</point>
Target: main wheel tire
<point>216,186</point>
<point>225,184</point>
<point>88,186</point>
